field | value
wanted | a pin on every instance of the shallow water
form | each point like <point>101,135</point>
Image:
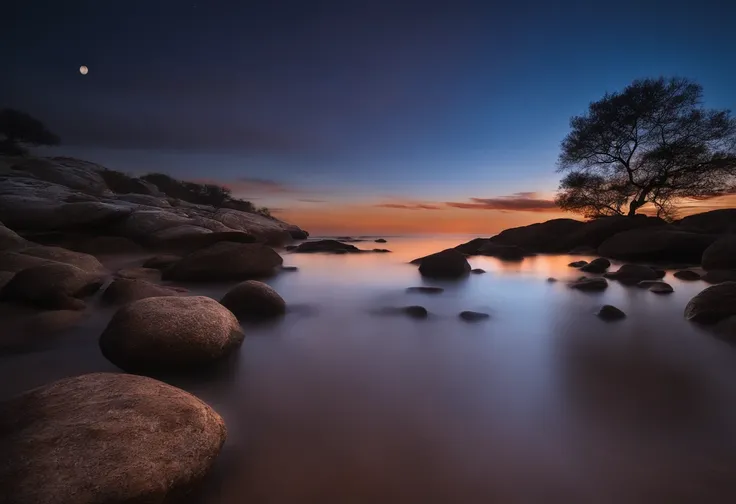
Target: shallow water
<point>543,402</point>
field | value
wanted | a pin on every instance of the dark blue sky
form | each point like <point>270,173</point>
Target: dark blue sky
<point>347,100</point>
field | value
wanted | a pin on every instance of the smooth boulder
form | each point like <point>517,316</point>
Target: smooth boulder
<point>687,275</point>
<point>446,264</point>
<point>632,274</point>
<point>719,276</point>
<point>10,240</point>
<point>106,438</point>
<point>255,300</point>
<point>425,290</point>
<point>125,290</point>
<point>713,304</point>
<point>610,313</point>
<point>589,284</point>
<point>578,264</point>
<point>161,334</point>
<point>473,316</point>
<point>599,265</point>
<point>721,255</point>
<point>52,286</point>
<point>226,261</point>
<point>82,261</point>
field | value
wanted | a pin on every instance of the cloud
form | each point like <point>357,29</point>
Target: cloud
<point>413,206</point>
<point>307,200</point>
<point>518,202</point>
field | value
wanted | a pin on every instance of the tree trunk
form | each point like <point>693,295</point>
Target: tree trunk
<point>638,203</point>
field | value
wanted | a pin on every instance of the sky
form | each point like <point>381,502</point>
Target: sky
<point>351,116</point>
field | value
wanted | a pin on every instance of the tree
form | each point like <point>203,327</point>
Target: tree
<point>18,129</point>
<point>653,142</point>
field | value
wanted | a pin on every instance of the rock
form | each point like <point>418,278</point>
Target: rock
<point>161,261</point>
<point>125,290</point>
<point>160,334</point>
<point>150,274</point>
<point>595,232</point>
<point>687,275</point>
<point>713,304</point>
<point>380,240</point>
<point>599,265</point>
<point>253,299</point>
<point>290,248</point>
<point>68,172</point>
<point>477,271</point>
<point>5,277</point>
<point>632,274</point>
<point>426,290</point>
<point>144,199</point>
<point>578,264</point>
<point>52,286</point>
<point>541,237</point>
<point>141,225</point>
<point>332,246</point>
<point>10,240</point>
<point>609,312</point>
<point>106,438</point>
<point>473,316</point>
<point>14,261</point>
<point>551,280</point>
<point>106,245</point>
<point>267,230</point>
<point>55,321</point>
<point>719,276</point>
<point>503,252</point>
<point>226,261</point>
<point>662,244</point>
<point>190,238</point>
<point>289,268</point>
<point>298,234</point>
<point>381,251</point>
<point>661,288</point>
<point>473,246</point>
<point>589,284</point>
<point>82,261</point>
<point>721,255</point>
<point>418,312</point>
<point>713,222</point>
<point>446,264</point>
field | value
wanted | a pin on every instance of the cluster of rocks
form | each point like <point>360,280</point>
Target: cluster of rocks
<point>338,246</point>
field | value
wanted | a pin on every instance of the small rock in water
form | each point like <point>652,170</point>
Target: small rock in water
<point>661,288</point>
<point>416,311</point>
<point>382,251</point>
<point>688,275</point>
<point>380,240</point>
<point>609,312</point>
<point>426,290</point>
<point>289,268</point>
<point>578,264</point>
<point>473,316</point>
<point>254,299</point>
<point>599,265</point>
<point>589,284</point>
<point>477,271</point>
<point>551,280</point>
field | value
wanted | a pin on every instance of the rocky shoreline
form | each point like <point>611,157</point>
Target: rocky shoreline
<point>141,440</point>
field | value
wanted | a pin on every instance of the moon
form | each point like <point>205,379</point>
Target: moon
<point>83,70</point>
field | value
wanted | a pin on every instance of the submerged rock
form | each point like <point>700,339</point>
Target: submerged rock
<point>331,246</point>
<point>380,240</point>
<point>289,268</point>
<point>426,290</point>
<point>106,438</point>
<point>713,304</point>
<point>416,311</point>
<point>446,264</point>
<point>226,261</point>
<point>599,265</point>
<point>477,271</point>
<point>687,275</point>
<point>160,334</point>
<point>589,284</point>
<point>632,274</point>
<point>578,264</point>
<point>661,288</point>
<point>551,280</point>
<point>609,312</point>
<point>473,316</point>
<point>253,299</point>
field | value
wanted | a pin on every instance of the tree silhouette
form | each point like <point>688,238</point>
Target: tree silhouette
<point>654,143</point>
<point>18,129</point>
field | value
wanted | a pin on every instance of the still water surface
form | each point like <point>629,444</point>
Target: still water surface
<point>543,403</point>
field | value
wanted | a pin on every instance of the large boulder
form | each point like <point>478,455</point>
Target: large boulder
<point>541,237</point>
<point>160,334</point>
<point>713,304</point>
<point>68,172</point>
<point>226,261</point>
<point>632,274</point>
<point>14,261</point>
<point>54,286</point>
<point>473,246</point>
<point>105,245</point>
<point>125,290</point>
<point>253,299</point>
<point>595,232</point>
<point>82,261</point>
<point>328,246</point>
<point>664,243</point>
<point>721,254</point>
<point>142,224</point>
<point>713,222</point>
<point>719,276</point>
<point>106,438</point>
<point>10,240</point>
<point>188,238</point>
<point>265,229</point>
<point>446,264</point>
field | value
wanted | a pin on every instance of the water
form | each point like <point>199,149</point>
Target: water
<point>544,402</point>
